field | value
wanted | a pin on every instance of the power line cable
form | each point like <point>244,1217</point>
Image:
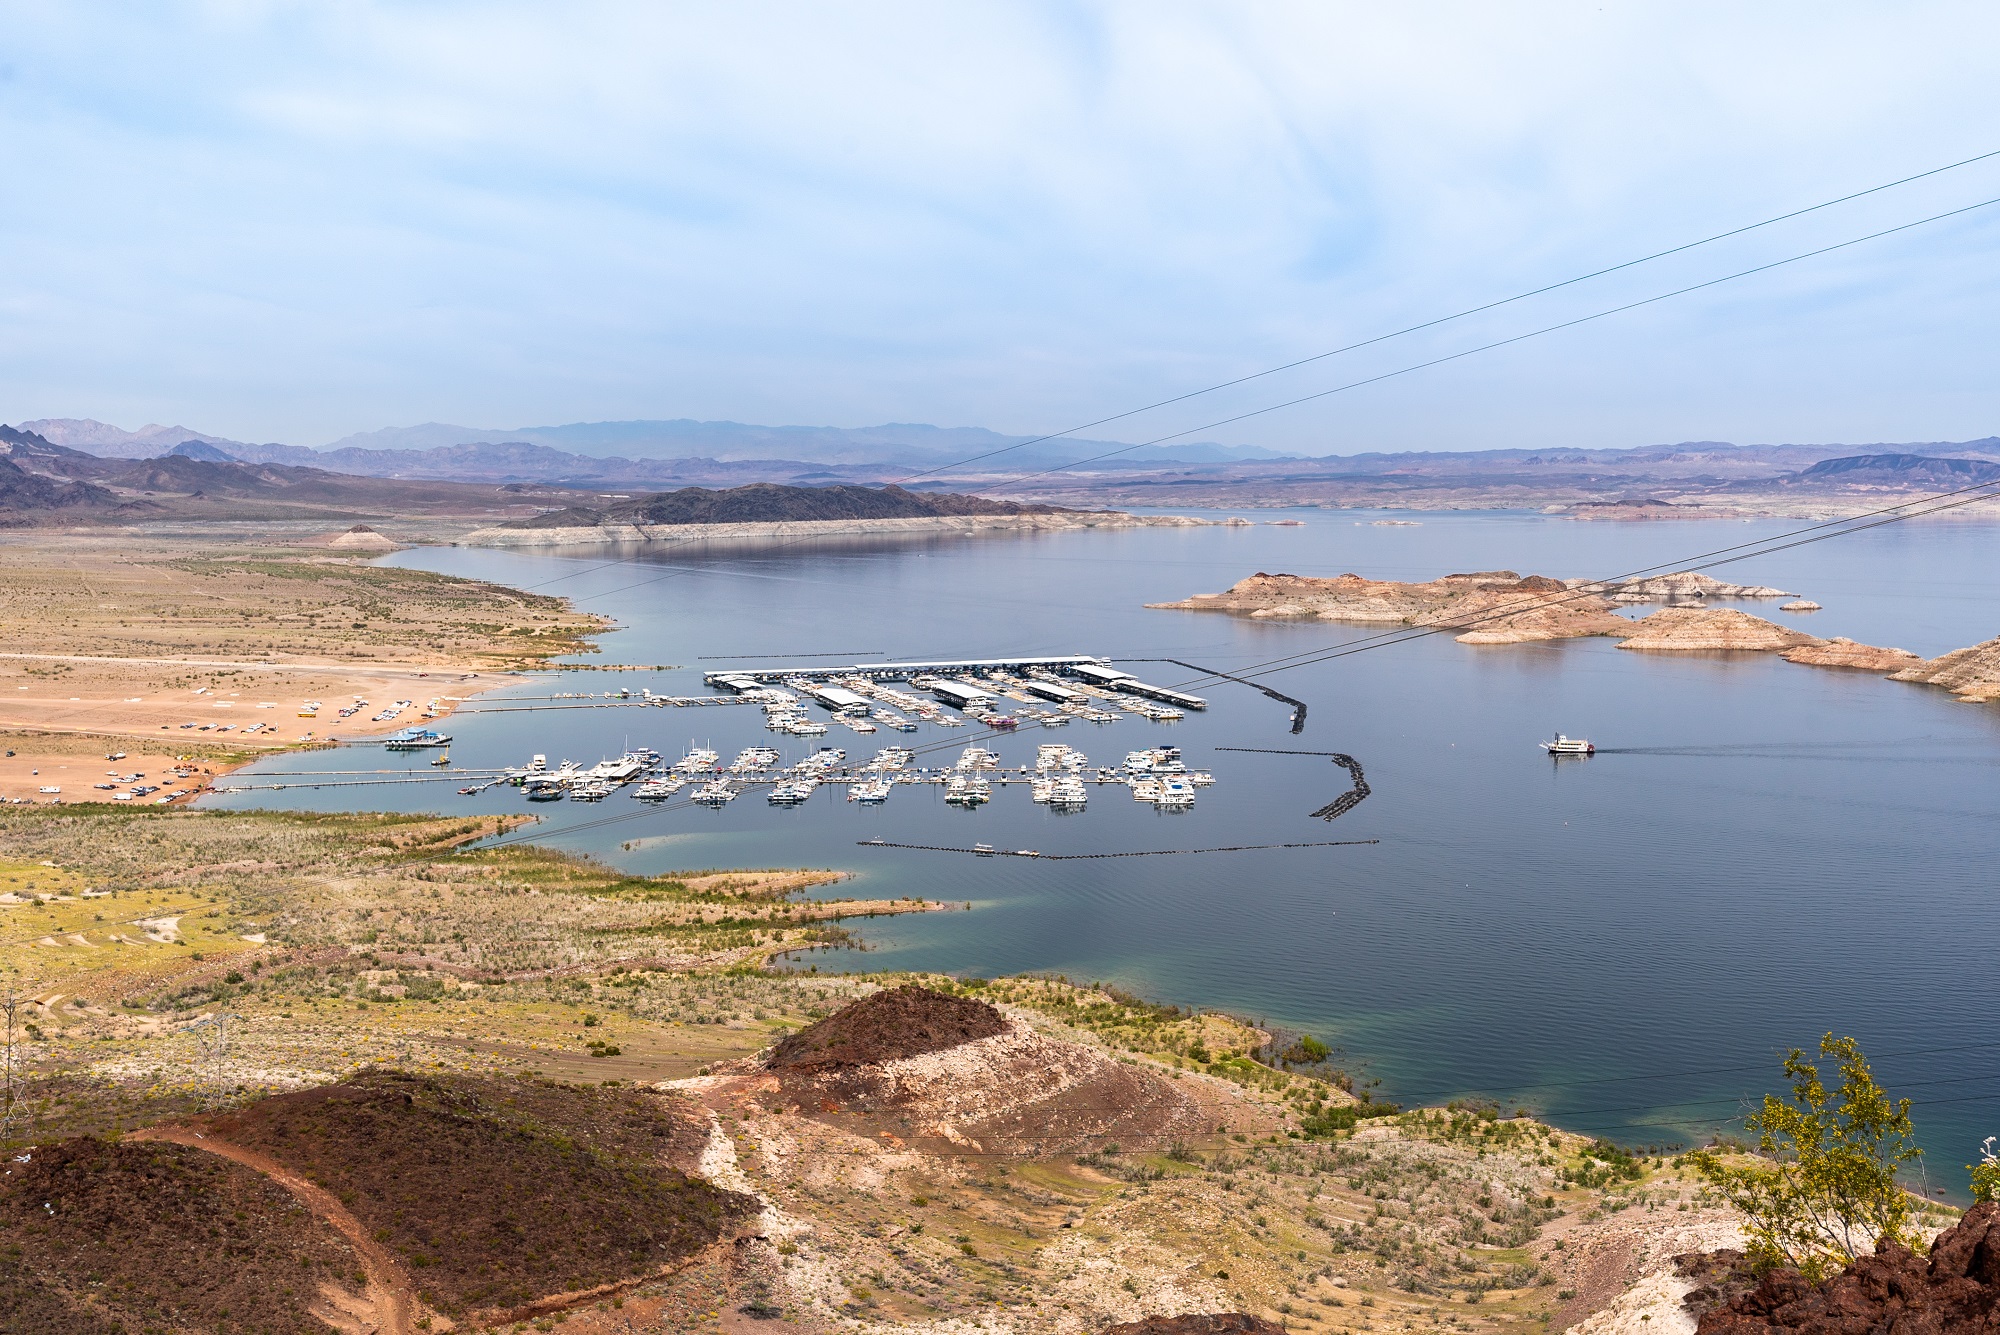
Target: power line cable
<point>1488,347</point>
<point>1459,315</point>
<point>1321,394</point>
<point>1408,330</point>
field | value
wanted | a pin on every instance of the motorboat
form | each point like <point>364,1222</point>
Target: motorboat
<point>658,790</point>
<point>715,793</point>
<point>698,760</point>
<point>874,792</point>
<point>1569,746</point>
<point>790,794</point>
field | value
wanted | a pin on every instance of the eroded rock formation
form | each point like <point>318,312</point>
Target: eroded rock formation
<point>1973,673</point>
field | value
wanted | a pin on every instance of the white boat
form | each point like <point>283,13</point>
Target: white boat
<point>1175,793</point>
<point>753,758</point>
<point>1042,789</point>
<point>873,792</point>
<point>622,770</point>
<point>592,790</point>
<point>657,790</point>
<point>964,791</point>
<point>715,793</point>
<point>1569,746</point>
<point>790,794</point>
<point>543,788</point>
<point>976,757</point>
<point>697,761</point>
<point>1067,794</point>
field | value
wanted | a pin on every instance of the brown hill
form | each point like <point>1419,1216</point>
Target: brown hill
<point>899,1022</point>
<point>949,1074</point>
<point>98,1239</point>
<point>766,502</point>
<point>495,1194</point>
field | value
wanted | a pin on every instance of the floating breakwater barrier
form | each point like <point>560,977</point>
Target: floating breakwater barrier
<point>1341,805</point>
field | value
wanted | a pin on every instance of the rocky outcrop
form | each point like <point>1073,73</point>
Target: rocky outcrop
<point>1799,605</point>
<point>1690,629</point>
<point>1957,1289</point>
<point>1973,673</point>
<point>1682,584</point>
<point>1841,652</point>
<point>1490,607</point>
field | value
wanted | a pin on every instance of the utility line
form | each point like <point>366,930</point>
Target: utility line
<point>1338,389</point>
<point>1488,347</point>
<point>1398,333</point>
<point>1459,315</point>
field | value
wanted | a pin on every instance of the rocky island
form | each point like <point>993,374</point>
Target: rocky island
<point>1505,607</point>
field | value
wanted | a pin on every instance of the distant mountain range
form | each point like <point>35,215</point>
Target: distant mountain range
<point>575,460</point>
<point>630,452</point>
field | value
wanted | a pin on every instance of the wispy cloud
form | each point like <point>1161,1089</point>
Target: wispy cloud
<point>290,220</point>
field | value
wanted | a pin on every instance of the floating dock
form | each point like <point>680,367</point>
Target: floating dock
<point>960,677</point>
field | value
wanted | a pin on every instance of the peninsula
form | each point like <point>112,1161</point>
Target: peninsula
<point>765,510</point>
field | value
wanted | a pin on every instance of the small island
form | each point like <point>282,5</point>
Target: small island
<point>1505,607</point>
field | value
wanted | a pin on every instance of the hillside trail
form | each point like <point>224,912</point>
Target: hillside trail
<point>394,1297</point>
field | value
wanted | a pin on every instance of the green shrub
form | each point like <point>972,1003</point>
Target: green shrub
<point>1827,1189</point>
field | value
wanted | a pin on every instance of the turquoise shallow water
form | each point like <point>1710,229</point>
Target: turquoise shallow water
<point>1762,853</point>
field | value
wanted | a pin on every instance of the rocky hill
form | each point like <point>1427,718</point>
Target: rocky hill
<point>42,482</point>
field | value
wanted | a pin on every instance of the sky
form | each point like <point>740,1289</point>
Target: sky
<point>294,221</point>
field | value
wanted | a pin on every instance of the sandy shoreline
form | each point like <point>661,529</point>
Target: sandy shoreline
<point>196,652</point>
<point>65,741</point>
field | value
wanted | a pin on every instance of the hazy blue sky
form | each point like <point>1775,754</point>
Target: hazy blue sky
<point>293,221</point>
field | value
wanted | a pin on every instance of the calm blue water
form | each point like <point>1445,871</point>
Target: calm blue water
<point>1763,853</point>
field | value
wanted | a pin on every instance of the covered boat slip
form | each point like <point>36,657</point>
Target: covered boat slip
<point>1090,670</point>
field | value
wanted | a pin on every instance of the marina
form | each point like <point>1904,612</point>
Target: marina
<point>1056,778</point>
<point>1431,954</point>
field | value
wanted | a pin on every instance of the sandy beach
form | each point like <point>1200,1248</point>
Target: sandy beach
<point>193,655</point>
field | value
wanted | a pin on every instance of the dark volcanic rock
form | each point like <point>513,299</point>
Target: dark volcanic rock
<point>901,1022</point>
<point>1207,1323</point>
<point>1893,1292</point>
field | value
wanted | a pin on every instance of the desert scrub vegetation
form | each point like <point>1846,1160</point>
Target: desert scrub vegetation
<point>1823,1187</point>
<point>1215,1044</point>
<point>338,940</point>
<point>417,892</point>
<point>145,595</point>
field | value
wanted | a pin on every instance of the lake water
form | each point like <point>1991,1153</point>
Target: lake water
<point>1763,852</point>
